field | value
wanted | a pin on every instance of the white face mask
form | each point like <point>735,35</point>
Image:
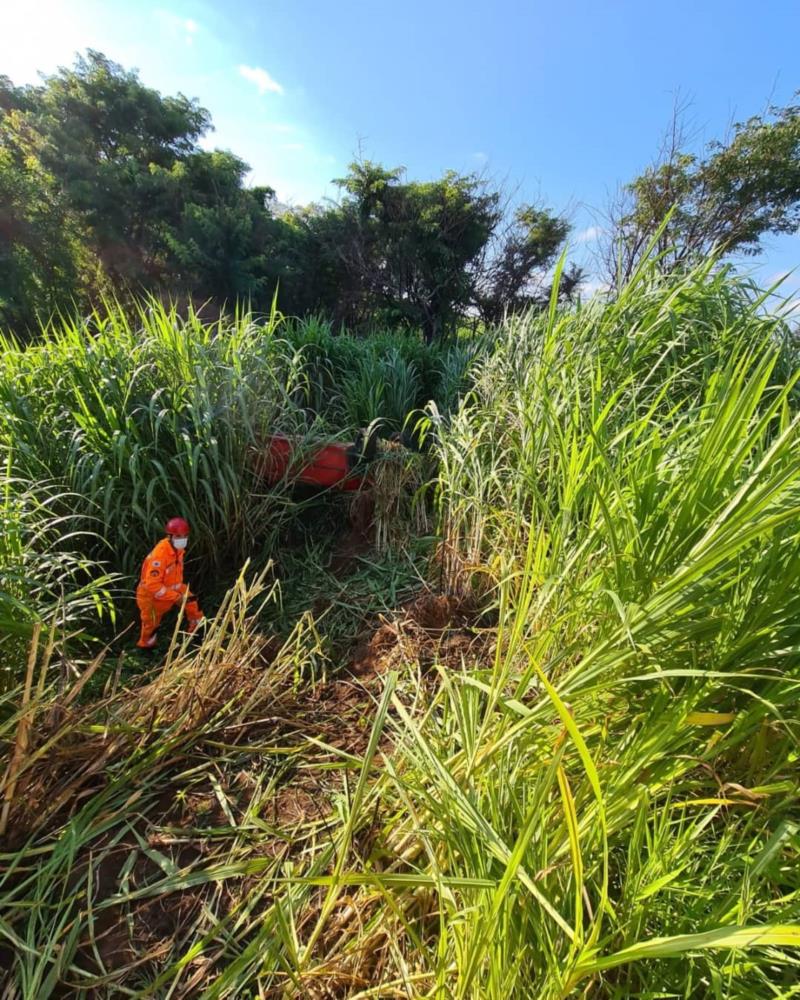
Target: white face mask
<point>180,543</point>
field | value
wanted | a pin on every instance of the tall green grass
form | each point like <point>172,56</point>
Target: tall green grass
<point>112,425</point>
<point>624,483</point>
<point>351,381</point>
<point>599,798</point>
<point>136,419</point>
<point>45,578</point>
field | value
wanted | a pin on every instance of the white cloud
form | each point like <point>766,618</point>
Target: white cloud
<point>281,127</point>
<point>588,235</point>
<point>292,145</point>
<point>480,157</point>
<point>261,78</point>
<point>185,26</point>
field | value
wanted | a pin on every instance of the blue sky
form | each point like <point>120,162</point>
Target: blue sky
<point>561,102</point>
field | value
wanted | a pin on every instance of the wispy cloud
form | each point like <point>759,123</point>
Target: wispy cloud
<point>261,78</point>
<point>292,145</point>
<point>191,28</point>
<point>480,157</point>
<point>588,235</point>
<point>283,127</point>
<point>185,26</point>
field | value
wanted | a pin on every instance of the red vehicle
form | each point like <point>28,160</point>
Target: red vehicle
<point>327,466</point>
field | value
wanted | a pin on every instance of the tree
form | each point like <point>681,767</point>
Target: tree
<point>425,254</point>
<point>108,139</point>
<point>728,200</point>
<point>43,258</point>
<point>309,263</point>
<point>102,184</point>
<point>512,273</point>
<point>217,233</point>
<point>84,162</point>
<point>405,249</point>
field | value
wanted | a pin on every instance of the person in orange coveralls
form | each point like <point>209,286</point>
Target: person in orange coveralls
<point>161,585</point>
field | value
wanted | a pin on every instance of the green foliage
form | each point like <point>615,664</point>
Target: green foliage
<point>219,236</point>
<point>104,189</point>
<point>43,261</point>
<point>408,247</point>
<point>741,191</point>
<point>349,381</point>
<point>512,278</point>
<point>592,789</point>
<point>140,422</point>
<point>109,164</point>
<point>134,422</point>
<point>624,480</point>
<point>45,576</point>
<point>108,427</point>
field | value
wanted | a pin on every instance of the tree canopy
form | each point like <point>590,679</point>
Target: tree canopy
<point>104,189</point>
<point>407,247</point>
<point>728,199</point>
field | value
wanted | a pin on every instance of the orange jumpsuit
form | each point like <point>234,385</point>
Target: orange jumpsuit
<point>160,588</point>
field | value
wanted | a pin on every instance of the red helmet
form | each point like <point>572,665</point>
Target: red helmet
<point>177,526</point>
